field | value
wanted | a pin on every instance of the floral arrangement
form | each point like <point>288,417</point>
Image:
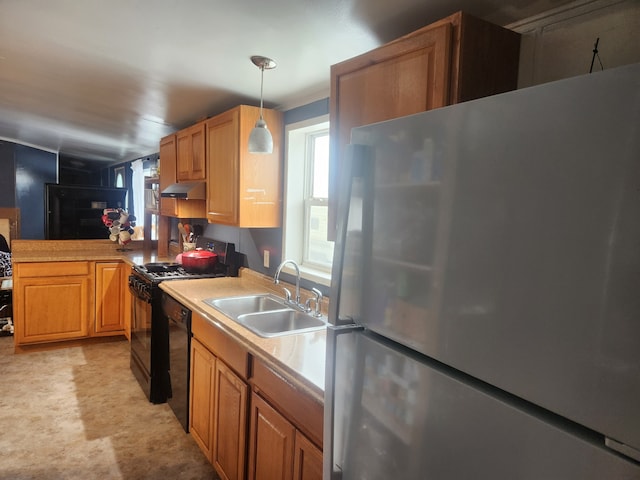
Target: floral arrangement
<point>120,224</point>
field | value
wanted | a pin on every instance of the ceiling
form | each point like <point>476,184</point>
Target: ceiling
<point>105,80</point>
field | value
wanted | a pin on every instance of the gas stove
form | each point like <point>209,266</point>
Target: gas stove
<point>226,266</point>
<point>157,272</point>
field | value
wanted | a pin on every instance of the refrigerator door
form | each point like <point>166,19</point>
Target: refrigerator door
<point>402,416</point>
<point>505,243</point>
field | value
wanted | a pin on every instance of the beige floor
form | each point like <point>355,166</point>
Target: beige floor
<point>78,413</point>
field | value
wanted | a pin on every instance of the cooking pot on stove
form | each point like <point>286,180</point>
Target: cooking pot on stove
<point>199,261</point>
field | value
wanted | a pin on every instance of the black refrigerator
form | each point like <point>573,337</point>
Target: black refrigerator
<point>485,305</point>
<point>75,211</point>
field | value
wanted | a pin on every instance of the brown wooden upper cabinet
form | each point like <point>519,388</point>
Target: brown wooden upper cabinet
<point>190,146</point>
<point>168,206</point>
<point>453,60</point>
<point>243,189</point>
<point>172,207</point>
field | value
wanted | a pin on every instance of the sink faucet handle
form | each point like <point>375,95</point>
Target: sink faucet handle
<point>318,299</point>
<point>287,294</point>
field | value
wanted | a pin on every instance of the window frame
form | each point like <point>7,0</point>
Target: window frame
<point>294,238</point>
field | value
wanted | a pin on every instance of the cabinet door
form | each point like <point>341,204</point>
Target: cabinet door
<point>110,297</point>
<point>230,424</point>
<point>127,300</point>
<point>223,166</point>
<point>307,464</point>
<point>191,153</point>
<point>401,78</point>
<point>168,160</point>
<point>271,444</point>
<point>203,365</point>
<point>52,301</point>
<point>243,189</point>
<point>260,174</point>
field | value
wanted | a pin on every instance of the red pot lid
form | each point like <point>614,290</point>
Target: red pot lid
<point>199,254</point>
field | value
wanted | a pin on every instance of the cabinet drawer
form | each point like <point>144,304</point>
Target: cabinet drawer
<point>220,344</point>
<point>51,269</point>
<point>302,410</point>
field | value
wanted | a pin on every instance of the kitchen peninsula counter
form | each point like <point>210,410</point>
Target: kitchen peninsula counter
<point>301,357</point>
<point>80,250</point>
<point>67,291</point>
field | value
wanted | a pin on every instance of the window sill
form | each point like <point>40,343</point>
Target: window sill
<point>317,276</point>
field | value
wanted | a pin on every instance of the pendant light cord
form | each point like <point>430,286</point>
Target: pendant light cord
<point>261,86</point>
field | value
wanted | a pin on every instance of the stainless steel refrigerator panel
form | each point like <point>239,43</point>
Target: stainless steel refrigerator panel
<point>399,417</point>
<point>505,242</point>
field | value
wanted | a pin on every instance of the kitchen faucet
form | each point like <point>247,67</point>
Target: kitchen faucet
<point>276,280</point>
<point>306,308</point>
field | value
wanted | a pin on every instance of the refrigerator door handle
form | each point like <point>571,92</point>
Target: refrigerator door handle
<point>333,331</point>
<point>352,168</point>
<point>622,448</point>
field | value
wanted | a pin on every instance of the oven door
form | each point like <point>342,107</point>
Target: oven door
<point>141,320</point>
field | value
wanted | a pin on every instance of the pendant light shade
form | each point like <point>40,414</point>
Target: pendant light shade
<point>260,139</point>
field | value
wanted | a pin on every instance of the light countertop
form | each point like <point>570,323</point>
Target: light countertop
<point>299,356</point>
<point>80,250</point>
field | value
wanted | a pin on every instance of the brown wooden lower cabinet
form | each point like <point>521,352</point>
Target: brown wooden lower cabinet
<point>277,450</point>
<point>248,420</point>
<point>112,291</point>
<point>230,423</point>
<point>52,301</point>
<point>59,301</point>
<point>272,442</point>
<point>203,365</point>
<point>307,461</point>
<point>218,420</point>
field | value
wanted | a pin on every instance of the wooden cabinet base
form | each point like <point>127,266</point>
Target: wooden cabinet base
<point>307,461</point>
<point>271,444</point>
<point>111,292</point>
<point>52,301</point>
<point>230,424</point>
<point>40,347</point>
<point>66,301</point>
<point>218,411</point>
<point>277,449</point>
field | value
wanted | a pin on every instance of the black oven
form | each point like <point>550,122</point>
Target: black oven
<point>150,360</point>
<point>149,338</point>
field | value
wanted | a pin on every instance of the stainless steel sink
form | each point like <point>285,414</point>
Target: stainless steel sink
<point>280,322</point>
<point>235,306</point>
<point>266,315</point>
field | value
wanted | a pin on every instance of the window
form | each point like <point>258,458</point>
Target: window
<point>306,199</point>
<point>119,171</point>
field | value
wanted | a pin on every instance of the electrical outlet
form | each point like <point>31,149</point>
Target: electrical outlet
<point>266,259</point>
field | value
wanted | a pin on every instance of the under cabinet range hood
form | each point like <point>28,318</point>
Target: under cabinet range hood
<point>187,191</point>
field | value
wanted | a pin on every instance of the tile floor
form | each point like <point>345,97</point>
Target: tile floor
<point>78,413</point>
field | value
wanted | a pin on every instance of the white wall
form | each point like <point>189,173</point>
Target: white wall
<point>559,43</point>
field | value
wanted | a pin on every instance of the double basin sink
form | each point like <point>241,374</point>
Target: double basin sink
<point>266,315</point>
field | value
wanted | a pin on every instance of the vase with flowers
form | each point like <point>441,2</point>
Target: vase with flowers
<point>120,225</point>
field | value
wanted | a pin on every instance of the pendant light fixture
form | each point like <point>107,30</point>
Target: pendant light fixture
<point>260,139</point>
